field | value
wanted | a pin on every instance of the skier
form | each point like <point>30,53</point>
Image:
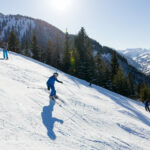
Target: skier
<point>90,83</point>
<point>5,54</point>
<point>147,106</point>
<point>50,85</point>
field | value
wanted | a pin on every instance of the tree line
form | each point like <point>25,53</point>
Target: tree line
<point>79,59</point>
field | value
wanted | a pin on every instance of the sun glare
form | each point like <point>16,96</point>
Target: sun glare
<point>61,5</point>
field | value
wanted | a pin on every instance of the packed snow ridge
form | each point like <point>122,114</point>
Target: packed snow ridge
<point>93,118</point>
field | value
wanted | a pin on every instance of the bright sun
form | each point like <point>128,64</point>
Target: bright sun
<point>61,5</point>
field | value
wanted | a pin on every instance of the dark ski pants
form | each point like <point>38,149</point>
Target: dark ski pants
<point>147,108</point>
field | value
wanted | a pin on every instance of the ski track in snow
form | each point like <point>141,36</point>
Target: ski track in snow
<point>92,119</point>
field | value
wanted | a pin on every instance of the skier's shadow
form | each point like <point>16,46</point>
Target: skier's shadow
<point>48,120</point>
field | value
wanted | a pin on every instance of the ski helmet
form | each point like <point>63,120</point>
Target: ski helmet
<point>55,74</point>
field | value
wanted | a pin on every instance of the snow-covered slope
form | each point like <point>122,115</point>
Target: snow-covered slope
<point>92,118</point>
<point>139,58</point>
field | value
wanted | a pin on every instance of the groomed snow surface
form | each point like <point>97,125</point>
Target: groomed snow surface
<point>93,118</point>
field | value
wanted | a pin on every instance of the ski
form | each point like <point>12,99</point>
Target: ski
<point>53,99</point>
<point>61,100</point>
<point>57,100</point>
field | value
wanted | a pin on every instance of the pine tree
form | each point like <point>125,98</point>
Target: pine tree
<point>103,77</point>
<point>114,64</point>
<point>49,51</point>
<point>1,43</point>
<point>74,62</point>
<point>66,57</point>
<point>56,54</point>
<point>58,58</point>
<point>144,93</point>
<point>98,64</point>
<point>85,67</point>
<point>148,91</point>
<point>13,42</point>
<point>80,45</point>
<point>131,84</point>
<point>27,48</point>
<point>34,46</point>
<point>41,54</point>
<point>90,63</point>
<point>120,83</point>
<point>107,80</point>
<point>138,89</point>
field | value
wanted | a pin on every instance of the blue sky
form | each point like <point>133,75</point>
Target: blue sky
<point>119,24</point>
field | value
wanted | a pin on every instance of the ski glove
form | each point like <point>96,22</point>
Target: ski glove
<point>48,88</point>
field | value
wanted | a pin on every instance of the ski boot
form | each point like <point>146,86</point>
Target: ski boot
<point>55,96</point>
<point>52,97</point>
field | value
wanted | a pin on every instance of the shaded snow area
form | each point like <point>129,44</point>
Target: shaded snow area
<point>93,118</point>
<point>106,57</point>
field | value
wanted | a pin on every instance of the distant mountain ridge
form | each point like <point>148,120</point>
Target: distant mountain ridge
<point>1,14</point>
<point>24,27</point>
<point>139,58</point>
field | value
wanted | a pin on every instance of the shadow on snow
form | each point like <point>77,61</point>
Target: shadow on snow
<point>49,120</point>
<point>124,102</point>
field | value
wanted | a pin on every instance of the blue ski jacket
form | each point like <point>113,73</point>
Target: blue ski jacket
<point>51,81</point>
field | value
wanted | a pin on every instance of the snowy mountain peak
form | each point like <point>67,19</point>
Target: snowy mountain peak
<point>93,118</point>
<point>1,14</point>
<point>139,58</point>
<point>134,52</point>
<point>24,27</point>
